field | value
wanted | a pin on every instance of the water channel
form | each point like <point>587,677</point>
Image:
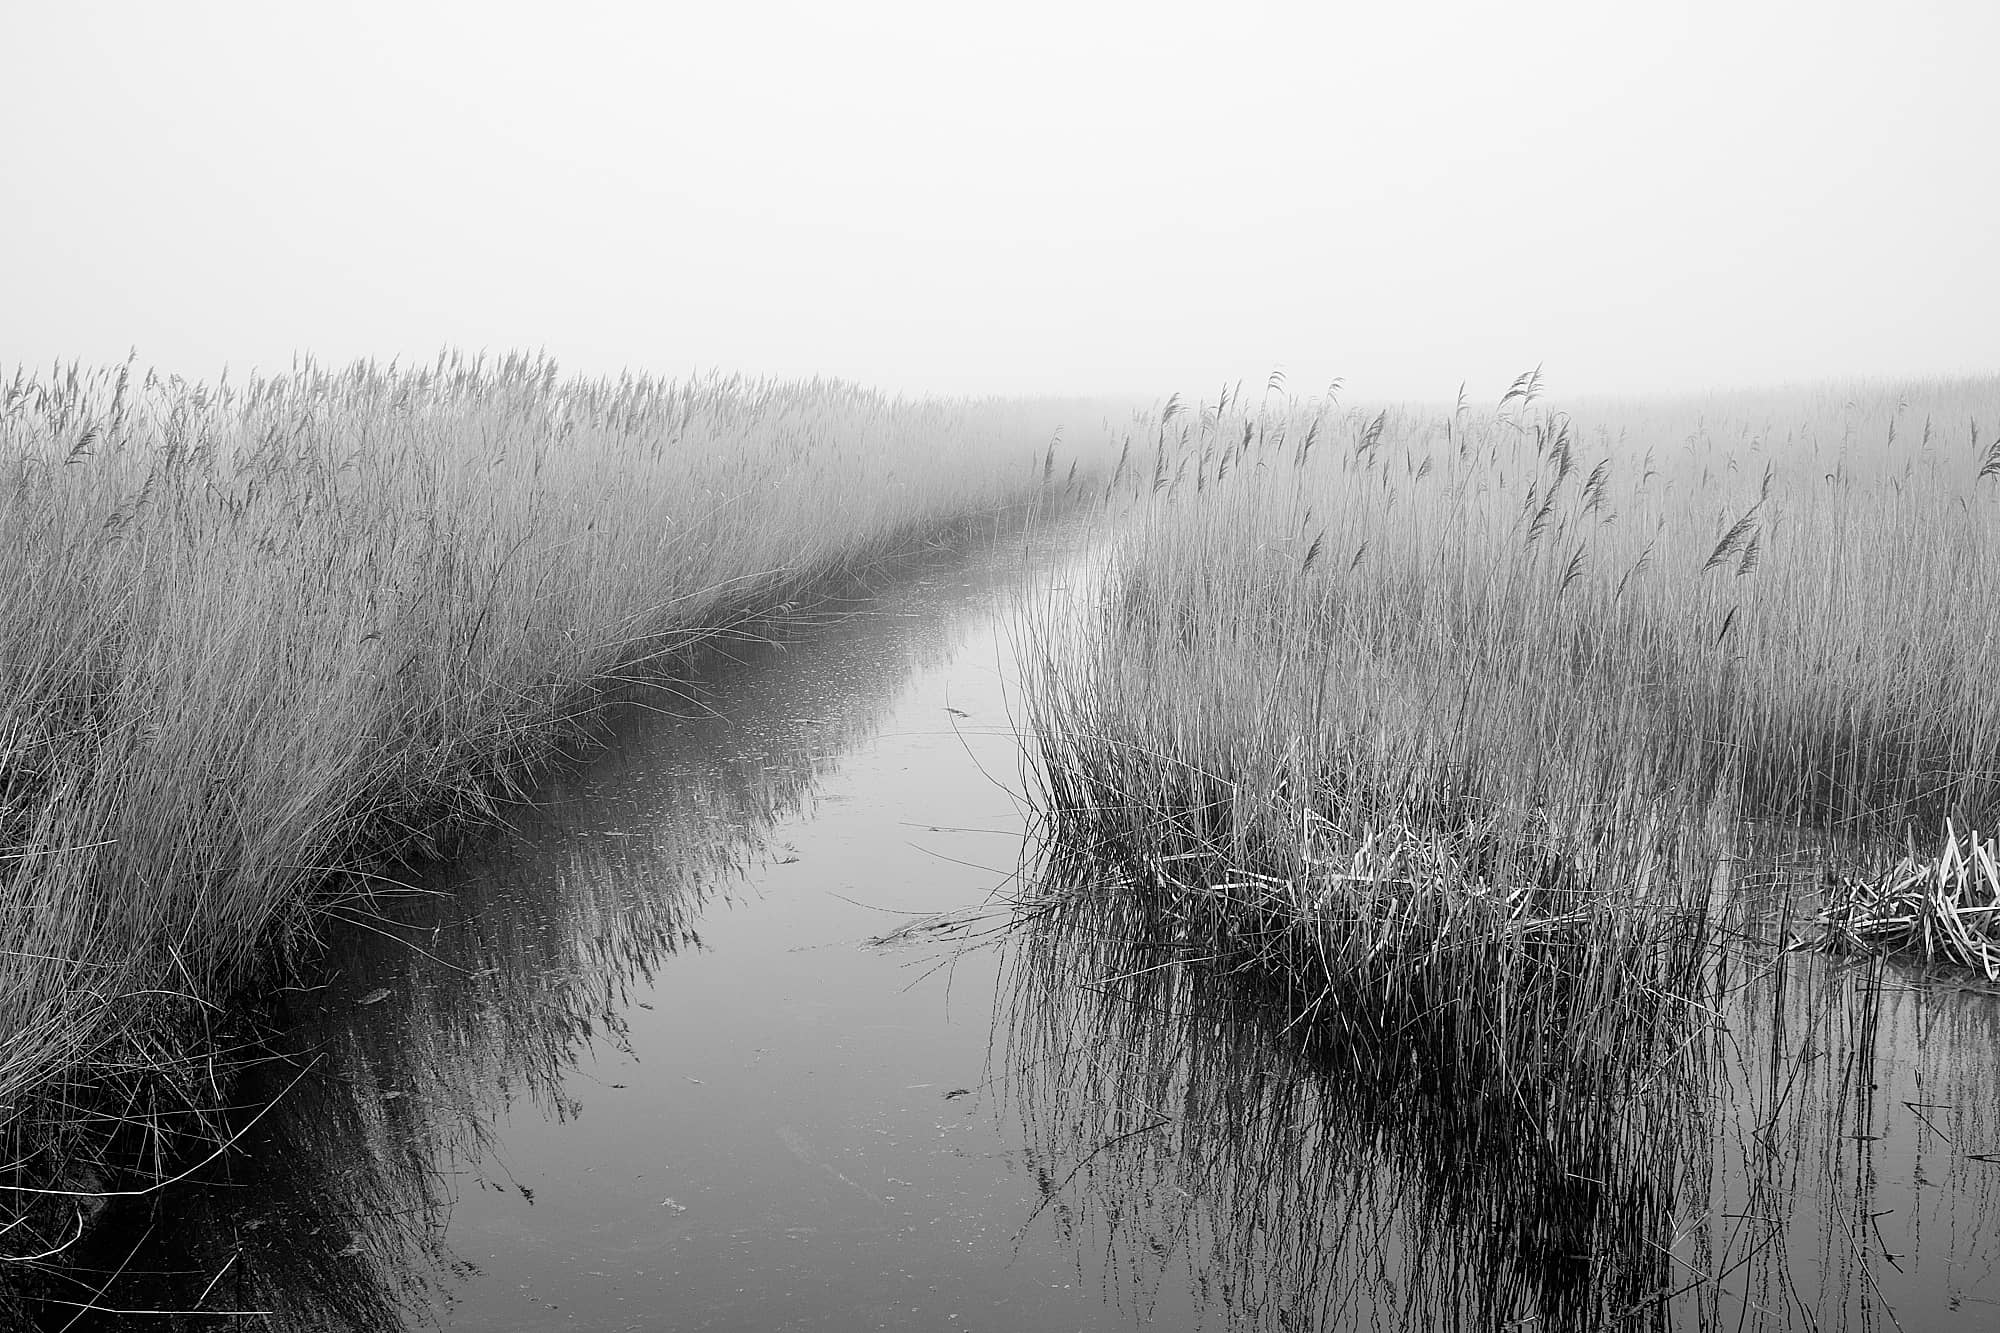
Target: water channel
<point>735,1030</point>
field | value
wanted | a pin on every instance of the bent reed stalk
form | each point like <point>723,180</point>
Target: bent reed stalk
<point>256,637</point>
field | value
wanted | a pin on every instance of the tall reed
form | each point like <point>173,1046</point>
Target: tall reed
<point>1781,614</point>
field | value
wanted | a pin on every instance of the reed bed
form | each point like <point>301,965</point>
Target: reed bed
<point>1450,719</point>
<point>1940,908</point>
<point>259,642</point>
<point>1769,608</point>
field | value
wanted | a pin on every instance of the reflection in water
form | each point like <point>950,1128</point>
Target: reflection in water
<point>1312,1182</point>
<point>459,1005</point>
<point>1824,1160</point>
<point>1858,1153</point>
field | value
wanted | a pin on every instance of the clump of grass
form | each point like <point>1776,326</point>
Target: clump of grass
<point>1940,908</point>
<point>256,637</point>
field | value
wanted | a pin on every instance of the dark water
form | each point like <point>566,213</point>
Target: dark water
<point>730,1035</point>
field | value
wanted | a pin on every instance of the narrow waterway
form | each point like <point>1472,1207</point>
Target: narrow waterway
<point>702,1044</point>
<point>736,1030</point>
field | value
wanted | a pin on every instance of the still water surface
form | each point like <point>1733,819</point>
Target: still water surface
<point>728,1035</point>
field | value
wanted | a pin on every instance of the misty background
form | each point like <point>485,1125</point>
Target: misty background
<point>1030,197</point>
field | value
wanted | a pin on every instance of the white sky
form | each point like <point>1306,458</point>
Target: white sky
<point>1014,197</point>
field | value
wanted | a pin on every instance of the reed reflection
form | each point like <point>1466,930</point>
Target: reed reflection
<point>1821,1155</point>
<point>1857,1153</point>
<point>1301,1173</point>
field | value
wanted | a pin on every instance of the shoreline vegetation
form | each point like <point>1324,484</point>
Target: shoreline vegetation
<point>1458,728</point>
<point>266,642</point>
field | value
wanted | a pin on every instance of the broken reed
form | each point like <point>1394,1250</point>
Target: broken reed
<point>1942,909</point>
<point>255,635</point>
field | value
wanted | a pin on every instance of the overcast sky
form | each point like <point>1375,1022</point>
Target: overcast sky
<point>1024,196</point>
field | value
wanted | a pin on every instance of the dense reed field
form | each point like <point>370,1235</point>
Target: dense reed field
<point>1449,717</point>
<point>1777,608</point>
<point>262,641</point>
